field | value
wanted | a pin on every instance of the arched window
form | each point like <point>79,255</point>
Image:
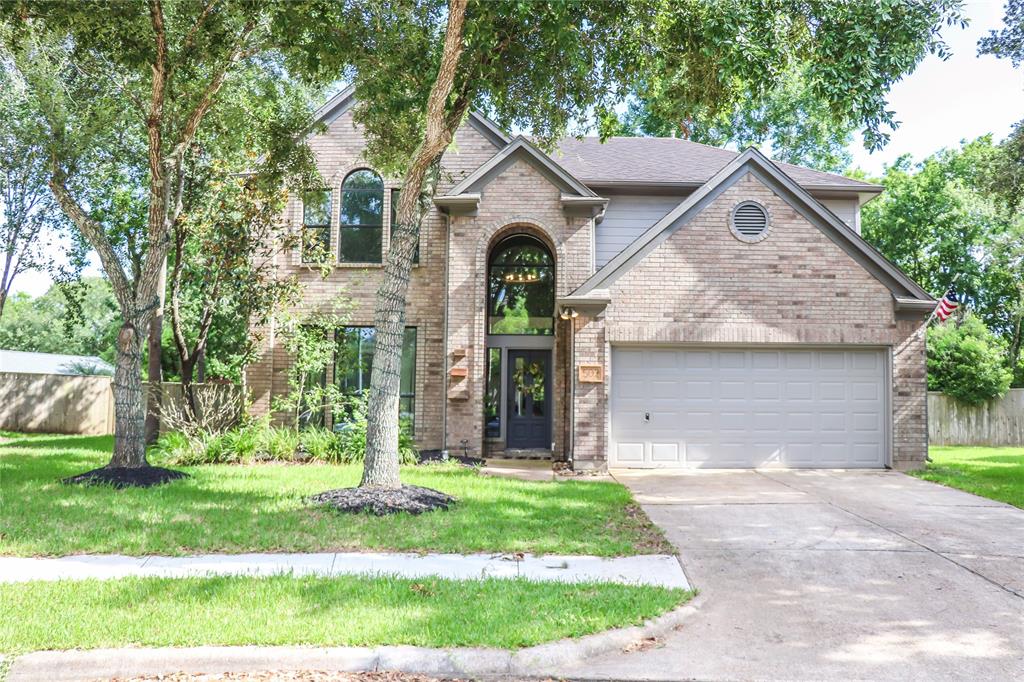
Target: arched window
<point>521,287</point>
<point>361,218</point>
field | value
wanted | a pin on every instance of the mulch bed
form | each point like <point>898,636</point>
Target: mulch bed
<point>412,499</point>
<point>126,477</point>
<point>433,456</point>
<point>289,676</point>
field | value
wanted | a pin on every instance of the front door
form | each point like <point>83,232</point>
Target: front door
<point>529,399</point>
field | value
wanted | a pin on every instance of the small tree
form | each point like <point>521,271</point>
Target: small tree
<point>967,361</point>
<point>310,343</point>
<point>29,217</point>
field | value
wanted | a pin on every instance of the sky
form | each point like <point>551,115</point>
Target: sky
<point>963,97</point>
<point>938,105</point>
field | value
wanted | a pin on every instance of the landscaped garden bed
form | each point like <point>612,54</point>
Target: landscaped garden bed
<point>265,508</point>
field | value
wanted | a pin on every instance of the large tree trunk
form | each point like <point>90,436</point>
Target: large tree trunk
<point>154,369</point>
<point>129,410</point>
<point>380,468</point>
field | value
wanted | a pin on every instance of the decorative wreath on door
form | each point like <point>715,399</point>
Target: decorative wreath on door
<point>535,372</point>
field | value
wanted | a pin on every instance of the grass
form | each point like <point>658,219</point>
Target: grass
<point>340,611</point>
<point>995,473</point>
<point>232,509</point>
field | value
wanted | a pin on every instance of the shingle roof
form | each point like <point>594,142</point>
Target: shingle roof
<point>665,160</point>
<point>24,362</point>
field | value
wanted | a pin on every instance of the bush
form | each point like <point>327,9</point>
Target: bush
<point>259,441</point>
<point>352,435</point>
<point>967,361</point>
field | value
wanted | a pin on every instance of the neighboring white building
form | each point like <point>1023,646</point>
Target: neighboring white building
<point>52,363</point>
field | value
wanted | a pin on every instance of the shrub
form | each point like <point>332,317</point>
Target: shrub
<point>259,441</point>
<point>352,435</point>
<point>966,361</point>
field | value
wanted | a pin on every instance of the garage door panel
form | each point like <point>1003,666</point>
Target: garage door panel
<point>798,360</point>
<point>832,390</point>
<point>664,389</point>
<point>867,453</point>
<point>799,390</point>
<point>765,390</point>
<point>864,390</point>
<point>764,360</point>
<point>664,359</point>
<point>748,407</point>
<point>662,453</point>
<point>831,361</point>
<point>732,360</point>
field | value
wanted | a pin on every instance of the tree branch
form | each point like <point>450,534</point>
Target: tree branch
<point>96,237</point>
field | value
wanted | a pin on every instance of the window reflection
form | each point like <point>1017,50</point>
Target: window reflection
<point>521,288</point>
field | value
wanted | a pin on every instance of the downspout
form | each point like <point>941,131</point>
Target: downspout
<point>571,454</point>
<point>444,326</point>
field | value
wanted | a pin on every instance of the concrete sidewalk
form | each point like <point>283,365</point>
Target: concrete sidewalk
<point>655,569</point>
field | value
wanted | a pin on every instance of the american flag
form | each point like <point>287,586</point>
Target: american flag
<point>947,305</point>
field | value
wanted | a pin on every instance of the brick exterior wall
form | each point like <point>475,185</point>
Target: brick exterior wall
<point>339,152</point>
<point>519,200</point>
<point>702,285</point>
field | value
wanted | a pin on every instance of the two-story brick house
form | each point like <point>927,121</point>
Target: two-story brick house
<point>639,303</point>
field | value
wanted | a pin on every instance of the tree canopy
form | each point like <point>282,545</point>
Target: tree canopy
<point>939,222</point>
<point>552,68</point>
<point>130,92</point>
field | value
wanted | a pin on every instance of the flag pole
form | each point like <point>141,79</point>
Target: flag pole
<point>936,308</point>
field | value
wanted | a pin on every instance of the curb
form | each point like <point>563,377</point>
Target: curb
<point>75,666</point>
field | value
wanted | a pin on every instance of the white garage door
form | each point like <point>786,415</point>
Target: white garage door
<point>740,408</point>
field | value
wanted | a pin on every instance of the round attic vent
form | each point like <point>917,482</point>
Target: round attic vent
<point>749,221</point>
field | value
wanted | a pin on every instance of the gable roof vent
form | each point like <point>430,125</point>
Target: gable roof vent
<point>749,221</point>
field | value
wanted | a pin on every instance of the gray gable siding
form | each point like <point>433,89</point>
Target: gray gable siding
<point>627,217</point>
<point>847,210</point>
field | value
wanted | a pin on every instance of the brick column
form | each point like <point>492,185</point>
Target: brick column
<point>909,396</point>
<point>590,442</point>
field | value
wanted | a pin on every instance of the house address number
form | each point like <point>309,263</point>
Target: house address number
<point>591,374</point>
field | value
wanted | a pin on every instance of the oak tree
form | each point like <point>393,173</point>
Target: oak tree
<point>553,68</point>
<point>125,88</point>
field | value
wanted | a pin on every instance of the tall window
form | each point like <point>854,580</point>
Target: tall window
<point>396,194</point>
<point>354,360</point>
<point>521,287</point>
<point>492,394</point>
<point>316,225</point>
<point>361,219</point>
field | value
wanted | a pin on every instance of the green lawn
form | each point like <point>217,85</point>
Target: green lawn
<point>341,611</point>
<point>995,473</point>
<point>233,509</point>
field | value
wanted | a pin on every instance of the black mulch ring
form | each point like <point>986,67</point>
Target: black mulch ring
<point>382,501</point>
<point>430,456</point>
<point>126,477</point>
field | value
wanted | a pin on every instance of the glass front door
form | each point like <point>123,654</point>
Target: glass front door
<point>529,399</point>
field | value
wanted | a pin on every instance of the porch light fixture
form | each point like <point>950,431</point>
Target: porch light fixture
<point>522,277</point>
<point>568,313</point>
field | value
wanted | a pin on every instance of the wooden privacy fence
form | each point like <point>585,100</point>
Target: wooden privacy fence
<point>56,403</point>
<point>996,422</point>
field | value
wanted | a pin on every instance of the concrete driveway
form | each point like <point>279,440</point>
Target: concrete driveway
<point>810,575</point>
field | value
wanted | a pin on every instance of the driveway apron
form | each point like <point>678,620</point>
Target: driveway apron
<point>814,575</point>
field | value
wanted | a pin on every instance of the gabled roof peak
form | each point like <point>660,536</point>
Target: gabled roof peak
<point>753,161</point>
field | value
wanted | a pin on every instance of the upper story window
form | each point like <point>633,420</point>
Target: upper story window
<point>521,287</point>
<point>361,219</point>
<point>316,226</point>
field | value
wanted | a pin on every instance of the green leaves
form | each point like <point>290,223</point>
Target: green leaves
<point>966,361</point>
<point>938,220</point>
